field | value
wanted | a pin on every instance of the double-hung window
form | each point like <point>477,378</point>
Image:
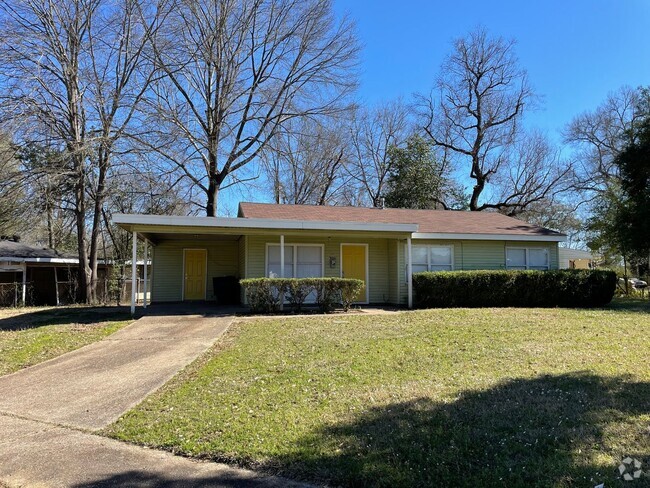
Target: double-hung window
<point>432,258</point>
<point>527,258</point>
<point>300,261</point>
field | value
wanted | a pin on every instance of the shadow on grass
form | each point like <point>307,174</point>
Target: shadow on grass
<point>540,432</point>
<point>630,304</point>
<point>85,315</point>
<point>140,479</point>
<point>64,315</point>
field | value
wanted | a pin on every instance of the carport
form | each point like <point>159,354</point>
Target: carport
<point>188,252</point>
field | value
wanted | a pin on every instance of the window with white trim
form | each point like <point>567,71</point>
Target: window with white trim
<point>527,258</point>
<point>432,258</point>
<point>300,261</point>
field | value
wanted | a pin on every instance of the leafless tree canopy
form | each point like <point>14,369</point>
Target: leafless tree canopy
<point>373,131</point>
<point>598,136</point>
<point>235,73</point>
<point>474,117</point>
<point>306,163</point>
<point>73,74</point>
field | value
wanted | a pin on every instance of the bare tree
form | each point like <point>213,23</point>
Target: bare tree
<point>474,118</point>
<point>305,162</point>
<point>237,71</point>
<point>73,75</point>
<point>12,204</point>
<point>600,135</point>
<point>532,172</point>
<point>373,132</point>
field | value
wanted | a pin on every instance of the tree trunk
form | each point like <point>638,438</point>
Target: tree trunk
<point>84,290</point>
<point>96,225</point>
<point>476,193</point>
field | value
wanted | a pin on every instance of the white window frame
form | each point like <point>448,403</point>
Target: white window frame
<point>428,246</point>
<point>527,252</point>
<point>295,255</point>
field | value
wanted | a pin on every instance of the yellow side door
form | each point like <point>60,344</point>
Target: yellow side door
<point>194,281</point>
<point>353,265</point>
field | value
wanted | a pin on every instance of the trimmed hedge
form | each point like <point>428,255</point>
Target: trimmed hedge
<point>265,295</point>
<point>556,288</point>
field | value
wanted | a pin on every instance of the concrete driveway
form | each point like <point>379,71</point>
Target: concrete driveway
<point>91,387</point>
<point>48,411</point>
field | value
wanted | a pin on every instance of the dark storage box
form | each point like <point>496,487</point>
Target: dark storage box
<point>226,290</point>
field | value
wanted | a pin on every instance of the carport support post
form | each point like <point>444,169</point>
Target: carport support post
<point>24,282</point>
<point>282,256</point>
<point>282,267</point>
<point>409,272</point>
<point>144,286</point>
<point>134,257</point>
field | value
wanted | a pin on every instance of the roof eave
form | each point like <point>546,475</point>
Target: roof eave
<point>140,222</point>
<point>489,237</point>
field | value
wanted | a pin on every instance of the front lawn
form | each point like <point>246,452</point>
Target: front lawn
<point>32,335</point>
<point>463,397</point>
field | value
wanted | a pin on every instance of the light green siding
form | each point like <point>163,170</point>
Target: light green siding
<point>246,257</point>
<point>471,255</point>
<point>167,286</point>
<point>379,286</point>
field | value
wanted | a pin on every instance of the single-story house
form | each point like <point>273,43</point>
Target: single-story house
<point>381,246</point>
<point>34,275</point>
<point>575,259</point>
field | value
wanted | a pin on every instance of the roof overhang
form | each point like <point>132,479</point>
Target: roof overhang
<point>15,259</point>
<point>489,237</point>
<point>150,225</point>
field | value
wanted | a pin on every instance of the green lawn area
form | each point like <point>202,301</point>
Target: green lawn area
<point>32,335</point>
<point>450,397</point>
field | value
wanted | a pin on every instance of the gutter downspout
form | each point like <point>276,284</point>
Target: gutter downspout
<point>409,272</point>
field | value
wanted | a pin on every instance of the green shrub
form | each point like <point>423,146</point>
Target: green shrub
<point>326,293</point>
<point>556,288</point>
<point>297,292</point>
<point>349,290</point>
<point>266,295</point>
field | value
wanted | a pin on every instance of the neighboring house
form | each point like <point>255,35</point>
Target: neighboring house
<point>35,275</point>
<point>575,259</point>
<point>372,244</point>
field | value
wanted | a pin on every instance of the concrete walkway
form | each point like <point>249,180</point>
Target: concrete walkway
<point>48,411</point>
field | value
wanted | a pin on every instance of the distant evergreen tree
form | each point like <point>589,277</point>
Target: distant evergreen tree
<point>415,179</point>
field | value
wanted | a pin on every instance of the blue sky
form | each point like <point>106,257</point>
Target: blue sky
<point>575,51</point>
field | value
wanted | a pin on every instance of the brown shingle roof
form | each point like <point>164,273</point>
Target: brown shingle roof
<point>429,221</point>
<point>12,249</point>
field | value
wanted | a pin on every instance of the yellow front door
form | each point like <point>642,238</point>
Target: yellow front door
<point>194,284</point>
<point>353,265</point>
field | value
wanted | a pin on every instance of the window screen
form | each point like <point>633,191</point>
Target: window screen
<point>516,258</point>
<point>537,259</point>
<point>274,261</point>
<point>308,262</point>
<point>440,258</point>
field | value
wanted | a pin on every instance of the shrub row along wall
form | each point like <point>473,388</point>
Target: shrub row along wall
<point>556,288</point>
<point>266,295</point>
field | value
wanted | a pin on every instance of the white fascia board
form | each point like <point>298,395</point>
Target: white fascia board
<point>126,220</point>
<point>487,237</point>
<point>40,260</point>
